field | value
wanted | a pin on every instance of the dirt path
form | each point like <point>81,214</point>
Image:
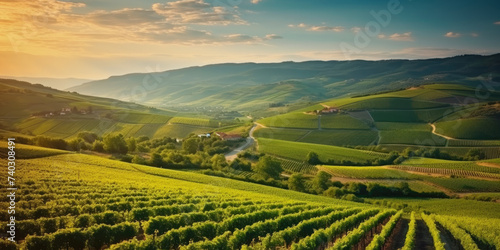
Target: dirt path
<point>249,141</point>
<point>444,136</point>
<point>488,164</point>
<point>397,238</point>
<point>423,237</point>
<point>449,242</point>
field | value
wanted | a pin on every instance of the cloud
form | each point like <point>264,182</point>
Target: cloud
<point>401,37</point>
<point>326,28</point>
<point>317,28</point>
<point>405,37</point>
<point>497,23</point>
<point>355,29</point>
<point>197,12</point>
<point>473,34</point>
<point>452,34</point>
<point>256,1</point>
<point>272,37</point>
<point>124,17</point>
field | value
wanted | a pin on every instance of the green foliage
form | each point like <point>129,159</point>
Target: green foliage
<point>410,235</point>
<point>434,231</point>
<point>267,167</point>
<point>313,158</point>
<point>321,182</point>
<point>297,182</point>
<point>115,143</point>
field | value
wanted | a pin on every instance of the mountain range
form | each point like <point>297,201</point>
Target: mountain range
<point>251,86</point>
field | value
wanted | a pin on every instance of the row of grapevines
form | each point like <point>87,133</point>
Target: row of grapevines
<point>323,236</point>
<point>434,231</point>
<point>484,230</point>
<point>379,239</point>
<point>162,224</point>
<point>445,171</point>
<point>355,235</point>
<point>287,236</point>
<point>244,236</point>
<point>93,238</point>
<point>465,239</point>
<point>410,235</point>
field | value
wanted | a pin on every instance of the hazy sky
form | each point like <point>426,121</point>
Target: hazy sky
<point>99,38</point>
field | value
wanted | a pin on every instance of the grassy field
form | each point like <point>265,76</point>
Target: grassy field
<point>411,115</point>
<point>403,126</point>
<point>412,137</point>
<point>341,121</point>
<point>341,137</point>
<point>291,120</point>
<point>473,128</point>
<point>281,133</point>
<point>368,172</point>
<point>195,122</point>
<point>299,151</point>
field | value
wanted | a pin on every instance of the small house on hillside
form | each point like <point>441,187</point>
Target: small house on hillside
<point>329,110</point>
<point>228,137</point>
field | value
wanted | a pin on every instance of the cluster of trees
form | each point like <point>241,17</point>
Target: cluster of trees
<point>395,157</point>
<point>322,185</point>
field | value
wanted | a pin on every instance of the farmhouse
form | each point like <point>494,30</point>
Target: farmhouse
<point>228,137</point>
<point>329,110</point>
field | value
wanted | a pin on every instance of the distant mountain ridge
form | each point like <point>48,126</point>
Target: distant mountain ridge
<point>247,86</point>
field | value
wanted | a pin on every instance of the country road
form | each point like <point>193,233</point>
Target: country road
<point>250,140</point>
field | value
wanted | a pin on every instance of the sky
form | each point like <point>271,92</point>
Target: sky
<point>95,39</point>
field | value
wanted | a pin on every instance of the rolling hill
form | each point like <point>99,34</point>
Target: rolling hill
<point>33,109</point>
<point>251,86</point>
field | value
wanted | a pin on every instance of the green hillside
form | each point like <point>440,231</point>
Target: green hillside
<point>254,86</point>
<point>32,109</point>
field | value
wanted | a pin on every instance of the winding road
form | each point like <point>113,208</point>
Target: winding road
<point>250,140</point>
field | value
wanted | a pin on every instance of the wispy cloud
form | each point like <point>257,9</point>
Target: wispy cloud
<point>497,23</point>
<point>456,34</point>
<point>197,12</point>
<point>405,37</point>
<point>317,27</point>
<point>452,34</point>
<point>256,1</point>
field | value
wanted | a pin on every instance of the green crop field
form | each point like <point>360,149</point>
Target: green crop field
<point>411,115</point>
<point>281,133</point>
<point>473,143</point>
<point>473,128</point>
<point>29,151</point>
<point>291,120</point>
<point>341,137</point>
<point>180,130</point>
<point>403,126</point>
<point>195,122</point>
<point>342,122</point>
<point>299,151</point>
<point>393,103</point>
<point>368,172</point>
<point>466,185</point>
<point>412,137</point>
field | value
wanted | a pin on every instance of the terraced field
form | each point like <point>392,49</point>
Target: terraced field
<point>298,151</point>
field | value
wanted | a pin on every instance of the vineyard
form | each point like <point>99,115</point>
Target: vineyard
<point>73,201</point>
<point>448,172</point>
<point>294,166</point>
<point>195,122</point>
<point>298,151</point>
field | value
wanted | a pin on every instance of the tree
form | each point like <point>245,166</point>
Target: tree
<point>267,167</point>
<point>313,158</point>
<point>321,182</point>
<point>334,192</point>
<point>131,144</point>
<point>190,145</point>
<point>156,160</point>
<point>475,154</point>
<point>115,143</point>
<point>89,137</point>
<point>297,182</point>
<point>218,162</point>
<point>98,146</point>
